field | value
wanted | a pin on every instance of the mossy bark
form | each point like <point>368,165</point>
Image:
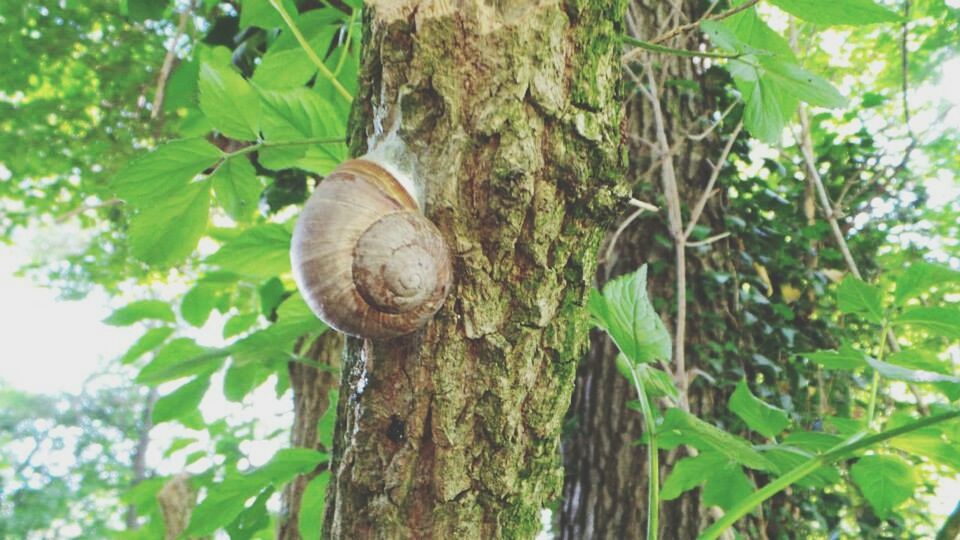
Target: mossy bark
<point>511,112</point>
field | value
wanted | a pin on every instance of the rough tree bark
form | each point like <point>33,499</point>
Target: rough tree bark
<point>606,481</point>
<point>512,111</point>
<point>311,397</point>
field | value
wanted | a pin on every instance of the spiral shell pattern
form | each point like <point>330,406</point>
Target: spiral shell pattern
<point>365,258</point>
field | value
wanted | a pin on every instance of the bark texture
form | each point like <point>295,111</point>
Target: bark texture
<point>606,480</point>
<point>511,113</point>
<point>311,397</point>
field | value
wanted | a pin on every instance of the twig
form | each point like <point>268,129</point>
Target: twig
<point>167,66</point>
<point>641,208</point>
<point>701,136</point>
<point>85,208</point>
<point>668,177</point>
<point>708,191</point>
<point>690,26</point>
<point>648,46</point>
<point>708,241</point>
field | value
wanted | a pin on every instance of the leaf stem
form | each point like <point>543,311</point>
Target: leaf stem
<point>324,70</point>
<point>807,467</point>
<point>268,144</point>
<point>653,457</point>
<point>346,44</point>
<point>875,384</point>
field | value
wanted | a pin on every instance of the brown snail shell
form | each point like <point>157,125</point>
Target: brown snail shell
<point>365,258</point>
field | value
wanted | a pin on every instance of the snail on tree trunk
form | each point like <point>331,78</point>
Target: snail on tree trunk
<point>366,259</point>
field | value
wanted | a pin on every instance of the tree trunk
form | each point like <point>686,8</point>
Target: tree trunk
<point>311,397</point>
<point>606,479</point>
<point>512,112</point>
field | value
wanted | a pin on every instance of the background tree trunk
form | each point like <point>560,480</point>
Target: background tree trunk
<point>311,398</point>
<point>512,112</point>
<point>606,481</point>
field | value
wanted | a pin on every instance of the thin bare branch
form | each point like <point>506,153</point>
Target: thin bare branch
<point>167,66</point>
<point>708,191</point>
<point>690,26</point>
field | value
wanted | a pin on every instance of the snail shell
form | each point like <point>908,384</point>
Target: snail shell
<point>365,258</point>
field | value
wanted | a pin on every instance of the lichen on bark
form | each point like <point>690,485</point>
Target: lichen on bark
<point>512,114</point>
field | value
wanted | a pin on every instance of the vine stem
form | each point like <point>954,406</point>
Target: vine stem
<point>857,442</point>
<point>875,384</point>
<point>324,70</point>
<point>653,457</point>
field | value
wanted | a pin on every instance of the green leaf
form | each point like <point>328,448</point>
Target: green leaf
<point>327,423</point>
<point>297,115</point>
<point>261,14</point>
<point>682,427</point>
<point>658,383</point>
<point>726,487</point>
<point>237,188</point>
<point>240,380</point>
<point>765,419</point>
<point>167,231</point>
<point>941,321</point>
<point>149,341</point>
<point>853,12</point>
<point>181,401</point>
<point>766,108</point>
<point>198,303</point>
<point>624,311</point>
<point>239,323</point>
<point>802,84</point>
<point>855,296</point>
<point>787,458</point>
<point>261,251</point>
<point>885,481</point>
<point>314,498</point>
<point>165,170</point>
<point>229,102</point>
<point>181,357</point>
<point>294,319</point>
<point>919,278</point>
<point>846,358</point>
<point>899,373</point>
<point>286,65</point>
<point>690,472</point>
<point>139,311</point>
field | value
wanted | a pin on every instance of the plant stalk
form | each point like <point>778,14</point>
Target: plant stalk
<point>653,457</point>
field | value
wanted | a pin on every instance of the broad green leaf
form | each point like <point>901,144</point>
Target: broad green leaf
<point>885,481</point>
<point>226,500</point>
<point>181,401</point>
<point>300,115</point>
<point>240,380</point>
<point>928,361</point>
<point>253,519</point>
<point>765,419</point>
<point>237,188</point>
<point>802,84</point>
<point>920,277</point>
<point>657,382</point>
<point>816,442</point>
<point>855,296</point>
<point>691,472</point>
<point>261,251</point>
<point>624,311</point>
<point>787,458</point>
<point>140,310</point>
<point>294,319</point>
<point>165,170</point>
<point>899,373</point>
<point>327,423</point>
<point>930,442</point>
<point>846,358</point>
<point>167,231</point>
<point>239,323</point>
<point>942,321</point>
<point>149,341</point>
<point>680,427</point>
<point>229,102</point>
<point>262,14</point>
<point>181,357</point>
<point>726,487</point>
<point>198,303</point>
<point>314,498</point>
<point>853,12</point>
<point>767,108</point>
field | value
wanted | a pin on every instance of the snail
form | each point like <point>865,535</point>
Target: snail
<point>366,259</point>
